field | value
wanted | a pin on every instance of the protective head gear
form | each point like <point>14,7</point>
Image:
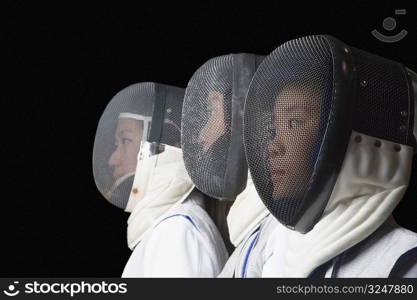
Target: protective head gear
<point>165,130</point>
<point>413,85</point>
<point>123,124</point>
<point>161,181</point>
<point>315,105</point>
<point>211,133</point>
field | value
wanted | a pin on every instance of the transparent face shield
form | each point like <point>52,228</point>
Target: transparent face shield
<point>124,123</point>
<point>144,120</point>
<point>130,130</point>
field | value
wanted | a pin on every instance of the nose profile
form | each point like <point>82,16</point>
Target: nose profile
<point>276,147</point>
<point>114,159</point>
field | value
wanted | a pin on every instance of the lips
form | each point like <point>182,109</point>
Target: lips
<point>117,172</point>
<point>277,173</point>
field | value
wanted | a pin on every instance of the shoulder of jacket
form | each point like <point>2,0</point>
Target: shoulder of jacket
<point>177,220</point>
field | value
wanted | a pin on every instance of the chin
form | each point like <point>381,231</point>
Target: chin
<point>117,175</point>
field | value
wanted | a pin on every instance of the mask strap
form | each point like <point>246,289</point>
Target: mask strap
<point>146,121</point>
<point>244,66</point>
<point>158,114</point>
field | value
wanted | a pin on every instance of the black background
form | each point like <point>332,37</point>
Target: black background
<point>65,62</point>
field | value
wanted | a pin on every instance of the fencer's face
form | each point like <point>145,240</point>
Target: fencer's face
<point>295,123</point>
<point>216,124</point>
<point>127,141</point>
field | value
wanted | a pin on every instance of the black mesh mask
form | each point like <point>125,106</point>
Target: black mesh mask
<point>303,103</point>
<point>211,133</point>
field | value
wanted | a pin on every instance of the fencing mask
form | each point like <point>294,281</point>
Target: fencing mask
<point>138,115</point>
<point>211,133</point>
<point>121,128</point>
<point>304,102</point>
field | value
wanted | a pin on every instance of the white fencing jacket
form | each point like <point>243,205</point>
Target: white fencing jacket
<point>184,243</point>
<point>250,226</point>
<point>355,236</point>
<point>169,231</point>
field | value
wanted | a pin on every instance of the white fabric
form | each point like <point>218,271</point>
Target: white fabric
<point>161,181</point>
<point>377,254</point>
<point>245,214</point>
<point>408,267</point>
<point>246,220</point>
<point>371,183</point>
<point>184,243</point>
<point>249,257</point>
<point>127,115</point>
